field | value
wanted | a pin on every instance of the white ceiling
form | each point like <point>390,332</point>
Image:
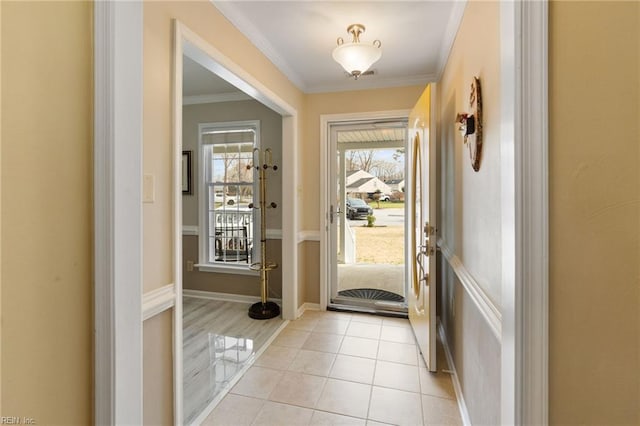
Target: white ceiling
<point>299,37</point>
<point>199,81</point>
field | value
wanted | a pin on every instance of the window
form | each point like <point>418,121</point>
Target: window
<point>227,187</point>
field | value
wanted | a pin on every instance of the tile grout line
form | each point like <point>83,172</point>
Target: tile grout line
<point>373,380</point>
<point>349,321</point>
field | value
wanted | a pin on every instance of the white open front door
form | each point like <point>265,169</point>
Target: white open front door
<point>366,237</point>
<point>422,229</point>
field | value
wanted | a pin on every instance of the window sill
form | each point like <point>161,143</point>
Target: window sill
<point>227,269</point>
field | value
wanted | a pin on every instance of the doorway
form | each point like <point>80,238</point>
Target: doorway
<point>367,227</point>
<point>214,226</point>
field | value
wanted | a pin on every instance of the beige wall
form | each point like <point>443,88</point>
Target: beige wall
<point>469,209</point>
<point>46,211</point>
<point>158,370</point>
<point>1,211</point>
<point>594,159</point>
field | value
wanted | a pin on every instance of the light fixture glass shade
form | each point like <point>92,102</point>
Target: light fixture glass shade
<point>356,58</point>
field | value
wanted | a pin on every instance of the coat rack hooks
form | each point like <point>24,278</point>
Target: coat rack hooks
<point>263,161</point>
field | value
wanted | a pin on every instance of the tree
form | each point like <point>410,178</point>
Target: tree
<point>376,197</point>
<point>359,159</point>
<point>386,170</point>
<point>367,160</point>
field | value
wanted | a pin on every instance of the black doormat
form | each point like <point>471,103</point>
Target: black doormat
<point>372,294</point>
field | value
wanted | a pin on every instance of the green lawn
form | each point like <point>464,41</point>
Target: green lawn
<point>387,204</point>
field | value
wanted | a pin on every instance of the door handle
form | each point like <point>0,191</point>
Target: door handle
<point>423,276</point>
<point>331,213</point>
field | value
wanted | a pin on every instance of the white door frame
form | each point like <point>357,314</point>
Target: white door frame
<point>118,212</point>
<point>325,121</point>
<point>188,42</point>
<point>525,226</point>
<point>332,146</point>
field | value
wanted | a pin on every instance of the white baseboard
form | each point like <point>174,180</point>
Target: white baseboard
<point>158,300</point>
<point>454,378</point>
<point>487,308</point>
<point>307,307</point>
<point>226,297</point>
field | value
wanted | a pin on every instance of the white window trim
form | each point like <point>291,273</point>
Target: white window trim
<point>203,264</point>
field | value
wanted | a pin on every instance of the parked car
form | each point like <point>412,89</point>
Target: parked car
<point>358,209</point>
<point>385,197</point>
<point>220,197</point>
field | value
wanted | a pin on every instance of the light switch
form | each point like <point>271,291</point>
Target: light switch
<point>148,189</point>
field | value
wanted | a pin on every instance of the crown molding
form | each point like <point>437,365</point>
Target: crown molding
<point>215,98</point>
<point>375,83</point>
<point>455,19</point>
<point>259,40</point>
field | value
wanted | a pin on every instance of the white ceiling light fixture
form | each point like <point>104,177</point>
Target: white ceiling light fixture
<point>356,58</point>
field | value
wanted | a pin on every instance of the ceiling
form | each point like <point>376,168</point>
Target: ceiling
<point>199,81</point>
<point>388,134</point>
<point>299,37</point>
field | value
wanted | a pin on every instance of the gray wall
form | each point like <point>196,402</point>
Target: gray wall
<point>474,348</point>
<point>271,137</point>
<point>230,283</point>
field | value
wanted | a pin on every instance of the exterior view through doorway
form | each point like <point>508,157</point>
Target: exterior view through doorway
<point>367,216</point>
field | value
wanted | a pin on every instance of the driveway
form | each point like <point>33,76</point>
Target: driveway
<point>384,217</point>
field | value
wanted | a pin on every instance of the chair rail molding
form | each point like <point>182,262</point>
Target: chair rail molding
<point>308,235</point>
<point>483,302</point>
<point>157,301</point>
<point>117,212</point>
<point>272,233</point>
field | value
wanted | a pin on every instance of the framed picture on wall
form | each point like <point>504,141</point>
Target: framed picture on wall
<point>187,187</point>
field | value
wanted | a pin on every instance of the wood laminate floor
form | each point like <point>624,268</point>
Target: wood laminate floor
<point>219,341</point>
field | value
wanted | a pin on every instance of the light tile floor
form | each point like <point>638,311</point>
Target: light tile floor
<point>335,368</point>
